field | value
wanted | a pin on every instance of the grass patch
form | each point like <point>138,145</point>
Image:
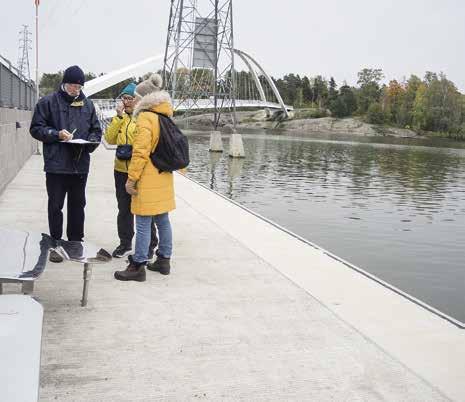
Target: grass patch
<point>310,113</point>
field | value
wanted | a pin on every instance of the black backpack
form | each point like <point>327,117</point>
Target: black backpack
<point>172,151</point>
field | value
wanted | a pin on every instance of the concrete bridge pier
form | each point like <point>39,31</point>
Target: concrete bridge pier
<point>216,143</point>
<point>236,146</point>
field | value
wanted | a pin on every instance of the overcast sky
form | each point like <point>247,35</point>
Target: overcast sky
<point>332,37</point>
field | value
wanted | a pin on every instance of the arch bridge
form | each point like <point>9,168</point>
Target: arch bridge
<point>260,90</point>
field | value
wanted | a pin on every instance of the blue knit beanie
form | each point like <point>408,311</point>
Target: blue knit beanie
<point>73,75</point>
<point>129,89</point>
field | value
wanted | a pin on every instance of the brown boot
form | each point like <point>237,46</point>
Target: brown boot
<point>161,265</point>
<point>134,272</point>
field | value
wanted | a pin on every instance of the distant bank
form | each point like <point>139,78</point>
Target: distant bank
<point>330,125</point>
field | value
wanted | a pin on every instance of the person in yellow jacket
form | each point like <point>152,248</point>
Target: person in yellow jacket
<point>121,132</point>
<point>152,192</point>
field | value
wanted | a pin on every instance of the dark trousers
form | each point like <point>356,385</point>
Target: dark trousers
<point>72,186</point>
<point>125,220</point>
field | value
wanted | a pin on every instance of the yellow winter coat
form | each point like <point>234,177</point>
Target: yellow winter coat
<point>121,131</point>
<point>155,191</point>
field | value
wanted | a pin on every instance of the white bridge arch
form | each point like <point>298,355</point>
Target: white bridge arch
<point>107,106</point>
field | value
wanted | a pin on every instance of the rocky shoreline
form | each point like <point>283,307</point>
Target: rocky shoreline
<point>329,125</point>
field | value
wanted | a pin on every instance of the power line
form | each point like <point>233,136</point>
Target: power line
<point>50,18</point>
<point>53,7</point>
<point>79,8</point>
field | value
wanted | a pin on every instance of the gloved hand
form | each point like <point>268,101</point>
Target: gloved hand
<point>131,187</point>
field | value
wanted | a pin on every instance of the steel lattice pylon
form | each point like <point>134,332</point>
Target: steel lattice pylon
<point>24,47</point>
<point>199,57</point>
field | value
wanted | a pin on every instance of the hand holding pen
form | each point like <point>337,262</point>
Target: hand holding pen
<point>65,135</point>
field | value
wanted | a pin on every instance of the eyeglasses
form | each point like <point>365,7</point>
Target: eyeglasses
<point>74,86</point>
<point>127,98</point>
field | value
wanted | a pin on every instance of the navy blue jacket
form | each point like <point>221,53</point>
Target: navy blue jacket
<point>54,113</point>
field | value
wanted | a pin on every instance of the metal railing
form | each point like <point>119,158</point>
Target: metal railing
<point>107,106</point>
<point>16,91</point>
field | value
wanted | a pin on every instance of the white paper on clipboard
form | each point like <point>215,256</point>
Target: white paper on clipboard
<point>80,141</point>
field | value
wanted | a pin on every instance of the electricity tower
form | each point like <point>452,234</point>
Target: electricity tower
<point>23,52</point>
<point>199,58</point>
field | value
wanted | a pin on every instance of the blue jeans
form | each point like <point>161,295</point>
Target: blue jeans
<point>143,236</point>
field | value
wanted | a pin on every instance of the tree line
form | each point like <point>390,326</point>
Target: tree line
<point>50,82</point>
<point>430,104</point>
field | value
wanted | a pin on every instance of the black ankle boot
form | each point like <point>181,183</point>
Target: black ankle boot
<point>55,257</point>
<point>134,272</point>
<point>161,265</point>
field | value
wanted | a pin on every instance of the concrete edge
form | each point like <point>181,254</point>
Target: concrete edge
<point>361,271</point>
<point>426,343</point>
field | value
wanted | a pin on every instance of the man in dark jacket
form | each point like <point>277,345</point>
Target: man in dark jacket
<point>64,115</point>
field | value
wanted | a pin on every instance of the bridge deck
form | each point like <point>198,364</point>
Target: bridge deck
<point>107,106</point>
<point>249,313</point>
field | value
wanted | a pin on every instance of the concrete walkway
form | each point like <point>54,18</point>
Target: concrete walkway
<point>249,313</point>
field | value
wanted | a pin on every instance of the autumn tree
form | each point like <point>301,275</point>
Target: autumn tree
<point>392,101</point>
<point>370,91</point>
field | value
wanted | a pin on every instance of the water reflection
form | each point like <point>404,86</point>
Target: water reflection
<point>396,210</point>
<point>215,157</point>
<point>234,171</point>
<point>24,254</point>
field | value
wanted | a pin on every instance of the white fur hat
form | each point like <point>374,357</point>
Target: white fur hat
<point>152,84</point>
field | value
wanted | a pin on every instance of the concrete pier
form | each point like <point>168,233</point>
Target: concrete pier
<point>236,146</point>
<point>216,142</point>
<point>250,313</point>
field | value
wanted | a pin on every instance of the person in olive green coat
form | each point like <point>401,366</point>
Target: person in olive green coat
<point>121,132</point>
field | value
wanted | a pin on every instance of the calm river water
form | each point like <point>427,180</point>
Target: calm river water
<point>395,210</point>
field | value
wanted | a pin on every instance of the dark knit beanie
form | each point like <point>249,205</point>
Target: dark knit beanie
<point>73,75</point>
